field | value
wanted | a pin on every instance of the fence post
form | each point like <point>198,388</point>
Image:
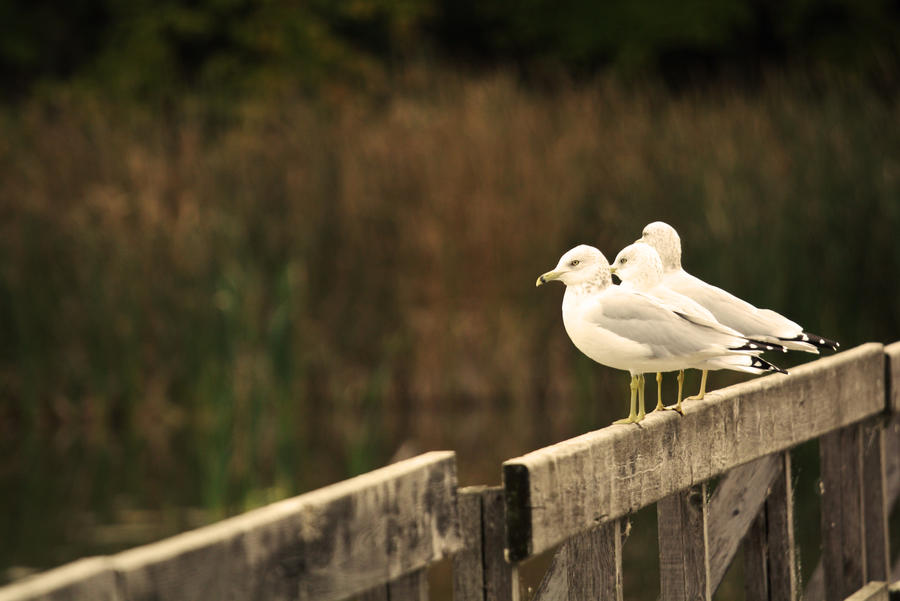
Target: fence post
<point>770,564</point>
<point>843,550</point>
<point>683,545</point>
<point>875,502</point>
<point>481,572</point>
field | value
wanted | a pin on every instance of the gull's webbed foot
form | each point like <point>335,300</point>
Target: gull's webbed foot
<point>676,408</point>
<point>631,419</point>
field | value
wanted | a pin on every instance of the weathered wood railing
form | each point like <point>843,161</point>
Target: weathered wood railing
<point>373,537</point>
<point>376,532</point>
<point>577,491</point>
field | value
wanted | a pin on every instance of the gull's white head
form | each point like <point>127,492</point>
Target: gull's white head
<point>583,264</point>
<point>664,239</point>
<point>638,264</point>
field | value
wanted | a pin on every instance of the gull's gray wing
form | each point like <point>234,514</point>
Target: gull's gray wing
<point>731,310</point>
<point>667,332</point>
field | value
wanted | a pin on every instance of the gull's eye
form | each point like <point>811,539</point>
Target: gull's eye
<point>623,260</point>
<point>574,262</point>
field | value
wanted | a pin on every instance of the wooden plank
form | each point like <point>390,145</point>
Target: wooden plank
<point>379,593</point>
<point>682,520</point>
<point>737,500</point>
<point>328,544</point>
<point>756,560</point>
<point>501,580</point>
<point>411,587</point>
<point>770,563</point>
<point>468,564</point>
<point>892,369</point>
<point>480,570</point>
<point>595,564</point>
<point>894,591</point>
<point>892,460</point>
<point>556,492</point>
<point>91,578</point>
<point>783,569</point>
<point>874,507</point>
<point>843,549</point>
<point>588,567</point>
<point>874,591</point>
<point>555,583</point>
<point>815,588</point>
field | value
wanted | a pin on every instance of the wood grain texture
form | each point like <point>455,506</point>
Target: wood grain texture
<point>874,591</point>
<point>815,588</point>
<point>843,549</point>
<point>91,578</point>
<point>587,567</point>
<point>682,521</point>
<point>501,581</point>
<point>892,460</point>
<point>480,570</point>
<point>411,587</point>
<point>892,372</point>
<point>756,560</point>
<point>468,564</point>
<point>771,570</point>
<point>875,508</point>
<point>783,568</point>
<point>379,593</point>
<point>558,491</point>
<point>737,500</point>
<point>328,544</point>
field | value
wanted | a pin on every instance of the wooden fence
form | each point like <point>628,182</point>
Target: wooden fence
<point>372,538</point>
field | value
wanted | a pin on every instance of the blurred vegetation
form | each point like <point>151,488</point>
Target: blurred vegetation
<point>248,249</point>
<point>214,319</point>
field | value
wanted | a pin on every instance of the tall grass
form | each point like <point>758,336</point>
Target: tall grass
<point>212,313</point>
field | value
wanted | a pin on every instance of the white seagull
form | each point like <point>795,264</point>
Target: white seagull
<point>729,310</point>
<point>632,331</point>
<point>639,267</point>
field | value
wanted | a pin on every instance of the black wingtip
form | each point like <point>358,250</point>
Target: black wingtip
<point>758,345</point>
<point>765,365</point>
<point>818,341</point>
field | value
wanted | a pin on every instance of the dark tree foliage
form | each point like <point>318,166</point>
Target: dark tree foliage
<point>145,47</point>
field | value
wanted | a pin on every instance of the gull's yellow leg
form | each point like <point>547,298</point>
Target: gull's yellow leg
<point>677,406</point>
<point>702,392</point>
<point>632,415</point>
<point>659,403</point>
<point>641,412</point>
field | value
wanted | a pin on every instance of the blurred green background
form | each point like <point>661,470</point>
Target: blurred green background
<point>248,249</point>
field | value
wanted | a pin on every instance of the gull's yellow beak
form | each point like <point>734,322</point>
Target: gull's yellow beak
<point>612,269</point>
<point>550,275</point>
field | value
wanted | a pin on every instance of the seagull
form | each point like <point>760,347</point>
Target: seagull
<point>761,324</point>
<point>729,310</point>
<point>629,330</point>
<point>639,267</point>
